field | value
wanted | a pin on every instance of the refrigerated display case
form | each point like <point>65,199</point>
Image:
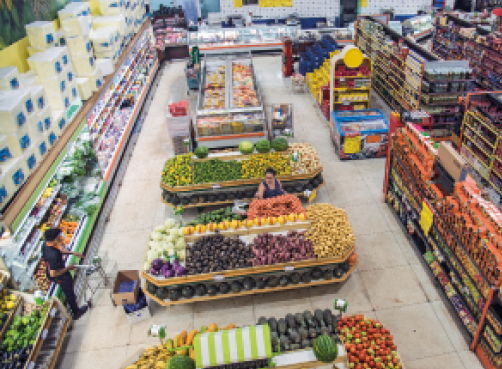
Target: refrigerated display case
<point>343,36</point>
<point>229,106</point>
<point>230,40</point>
<point>421,26</point>
<point>360,134</point>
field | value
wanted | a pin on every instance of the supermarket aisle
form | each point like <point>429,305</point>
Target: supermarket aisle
<point>390,283</point>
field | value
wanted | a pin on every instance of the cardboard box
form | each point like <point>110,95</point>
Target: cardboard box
<point>452,161</point>
<point>139,315</point>
<point>126,297</point>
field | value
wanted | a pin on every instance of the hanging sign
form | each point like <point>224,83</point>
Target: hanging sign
<point>352,145</point>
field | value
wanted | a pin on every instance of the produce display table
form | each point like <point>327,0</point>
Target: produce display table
<point>225,192</point>
<point>313,268</point>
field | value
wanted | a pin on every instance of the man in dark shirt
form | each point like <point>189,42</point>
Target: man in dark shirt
<point>52,252</point>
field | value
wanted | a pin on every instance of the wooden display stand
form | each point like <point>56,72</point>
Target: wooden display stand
<point>248,234</point>
<point>235,185</point>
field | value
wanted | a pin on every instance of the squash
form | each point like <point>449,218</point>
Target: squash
<point>191,337</point>
<point>230,326</point>
<point>183,337</point>
<point>213,327</point>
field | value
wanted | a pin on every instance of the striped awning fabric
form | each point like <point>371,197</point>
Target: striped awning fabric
<point>232,346</point>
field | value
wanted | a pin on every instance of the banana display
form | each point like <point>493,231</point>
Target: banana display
<point>156,357</point>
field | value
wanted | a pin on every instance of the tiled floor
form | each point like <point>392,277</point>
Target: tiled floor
<point>390,283</point>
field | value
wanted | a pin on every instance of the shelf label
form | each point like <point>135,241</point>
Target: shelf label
<point>219,277</point>
<point>289,268</point>
<point>216,186</point>
<point>426,218</point>
<point>31,365</point>
<point>43,335</point>
<point>352,145</point>
<point>53,312</point>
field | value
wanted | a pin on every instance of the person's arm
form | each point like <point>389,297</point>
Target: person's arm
<point>59,272</point>
<point>280,186</point>
<point>261,190</point>
<point>66,252</point>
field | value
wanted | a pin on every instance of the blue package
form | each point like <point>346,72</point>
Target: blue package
<point>127,286</point>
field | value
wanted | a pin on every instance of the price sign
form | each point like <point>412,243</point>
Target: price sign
<point>186,142</point>
<point>53,312</point>
<point>31,365</point>
<point>426,218</point>
<point>352,145</point>
<point>219,278</point>
<point>216,186</point>
<point>156,330</point>
<point>342,79</point>
<point>44,334</point>
<point>289,268</point>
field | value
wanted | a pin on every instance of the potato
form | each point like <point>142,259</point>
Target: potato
<point>330,231</point>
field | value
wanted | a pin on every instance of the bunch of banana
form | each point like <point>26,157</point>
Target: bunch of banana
<point>154,357</point>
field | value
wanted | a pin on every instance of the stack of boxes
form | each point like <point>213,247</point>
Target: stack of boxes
<point>25,122</point>
<point>76,24</point>
<point>42,36</point>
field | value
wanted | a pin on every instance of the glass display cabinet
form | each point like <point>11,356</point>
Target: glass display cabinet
<point>421,26</point>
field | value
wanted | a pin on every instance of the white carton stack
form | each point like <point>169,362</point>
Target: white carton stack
<point>41,34</point>
<point>117,21</point>
<point>10,78</point>
<point>111,7</point>
<point>106,43</point>
<point>56,74</point>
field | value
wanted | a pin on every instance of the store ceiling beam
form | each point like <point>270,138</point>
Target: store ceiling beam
<point>22,197</point>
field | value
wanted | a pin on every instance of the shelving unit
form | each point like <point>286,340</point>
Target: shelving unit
<point>171,35</point>
<point>448,250</point>
<point>481,142</point>
<point>455,38</point>
<point>131,82</point>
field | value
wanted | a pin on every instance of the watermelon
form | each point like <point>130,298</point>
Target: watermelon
<point>246,147</point>
<point>263,146</point>
<point>180,362</point>
<point>280,144</point>
<point>325,349</point>
<point>201,152</point>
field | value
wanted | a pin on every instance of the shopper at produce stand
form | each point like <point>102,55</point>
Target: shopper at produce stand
<point>52,252</point>
<point>270,187</point>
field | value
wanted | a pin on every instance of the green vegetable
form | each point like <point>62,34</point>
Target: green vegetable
<point>216,170</point>
<point>246,147</point>
<point>180,362</point>
<point>325,349</point>
<point>263,146</point>
<point>201,152</point>
<point>280,144</point>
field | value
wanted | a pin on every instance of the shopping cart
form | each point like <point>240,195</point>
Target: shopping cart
<point>98,275</point>
<point>193,76</point>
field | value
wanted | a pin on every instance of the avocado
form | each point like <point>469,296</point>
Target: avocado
<point>188,292</point>
<point>174,294</point>
<point>200,290</point>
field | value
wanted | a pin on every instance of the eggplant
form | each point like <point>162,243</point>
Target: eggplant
<point>338,272</point>
<point>230,195</point>
<point>295,346</point>
<point>345,267</point>
<point>151,288</point>
<point>272,323</point>
<point>262,321</point>
<point>222,196</point>
<point>282,326</point>
<point>305,343</point>
<point>202,198</point>
<point>200,290</point>
<point>162,293</point>
<point>185,201</point>
<point>319,317</point>
<point>312,332</point>
<point>212,198</point>
<point>316,273</point>
<point>194,199</point>
<point>175,200</point>
<point>327,274</point>
<point>272,282</point>
<point>261,282</point>
<point>306,277</point>
<point>329,318</point>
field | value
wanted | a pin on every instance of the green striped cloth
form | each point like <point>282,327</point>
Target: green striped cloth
<point>232,346</point>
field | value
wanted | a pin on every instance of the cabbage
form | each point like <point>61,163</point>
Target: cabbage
<point>152,244</point>
<point>151,255</point>
<point>146,266</point>
<point>180,232</point>
<point>174,232</point>
<point>156,236</point>
<point>159,229</point>
<point>181,254</point>
<point>169,239</point>
<point>180,244</point>
<point>169,223</point>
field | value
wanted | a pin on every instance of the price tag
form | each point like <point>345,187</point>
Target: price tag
<point>216,186</point>
<point>352,145</point>
<point>53,312</point>
<point>426,218</point>
<point>219,277</point>
<point>342,79</point>
<point>31,365</point>
<point>155,329</point>
<point>289,268</point>
<point>44,333</point>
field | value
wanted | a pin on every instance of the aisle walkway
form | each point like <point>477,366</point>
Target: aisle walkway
<point>390,283</point>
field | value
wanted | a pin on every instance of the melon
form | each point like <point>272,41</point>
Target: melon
<point>280,144</point>
<point>325,349</point>
<point>211,227</point>
<point>188,230</point>
<point>281,220</point>
<point>200,228</point>
<point>246,147</point>
<point>259,221</point>
<point>201,152</point>
<point>234,224</point>
<point>222,226</point>
<point>301,217</point>
<point>180,362</point>
<point>263,146</point>
<point>271,220</point>
<point>292,217</point>
<point>249,223</point>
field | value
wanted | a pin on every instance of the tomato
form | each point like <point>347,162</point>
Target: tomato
<point>393,347</point>
<point>390,336</point>
<point>353,350</point>
<point>359,347</point>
